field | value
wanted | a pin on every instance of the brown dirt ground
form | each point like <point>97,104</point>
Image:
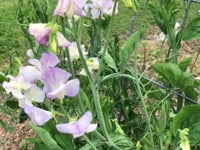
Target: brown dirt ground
<point>189,49</point>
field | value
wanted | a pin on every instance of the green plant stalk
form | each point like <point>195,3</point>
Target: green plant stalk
<point>89,142</point>
<point>137,82</point>
<point>63,20</point>
<point>108,36</point>
<point>95,94</point>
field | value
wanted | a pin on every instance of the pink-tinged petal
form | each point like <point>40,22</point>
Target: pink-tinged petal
<point>79,127</point>
<point>30,73</point>
<point>62,41</point>
<point>38,116</point>
<point>40,32</point>
<point>72,88</point>
<point>49,60</point>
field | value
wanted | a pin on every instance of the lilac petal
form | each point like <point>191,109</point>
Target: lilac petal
<point>49,60</point>
<point>54,77</point>
<point>30,73</point>
<point>57,93</point>
<point>79,10</point>
<point>76,128</point>
<point>38,116</point>
<point>72,87</point>
<point>80,3</point>
<point>62,41</point>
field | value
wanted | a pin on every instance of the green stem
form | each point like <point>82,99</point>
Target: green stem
<point>137,82</point>
<point>108,36</point>
<point>67,51</point>
<point>90,143</point>
<point>95,94</point>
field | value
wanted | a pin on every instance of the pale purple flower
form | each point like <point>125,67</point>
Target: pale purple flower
<point>37,115</point>
<point>56,84</point>
<point>70,8</point>
<point>99,8</point>
<point>41,32</point>
<point>78,128</point>
<point>35,72</point>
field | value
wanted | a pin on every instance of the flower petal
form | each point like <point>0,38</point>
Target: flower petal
<point>49,60</point>
<point>40,32</point>
<point>72,87</point>
<point>79,127</point>
<point>38,116</point>
<point>30,73</point>
<point>62,41</point>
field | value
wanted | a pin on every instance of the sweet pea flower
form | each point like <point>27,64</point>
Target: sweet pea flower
<point>74,53</point>
<point>70,8</point>
<point>78,128</point>
<point>92,63</point>
<point>56,84</point>
<point>16,86</point>
<point>99,8</point>
<point>41,32</point>
<point>37,115</point>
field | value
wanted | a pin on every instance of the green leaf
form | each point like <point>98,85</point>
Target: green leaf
<point>46,138</point>
<point>164,116</point>
<point>122,141</point>
<point>169,71</point>
<point>185,63</point>
<point>65,140</point>
<point>127,49</point>
<point>110,61</point>
<point>188,117</point>
<point>158,17</point>
<point>192,30</point>
<point>186,80</point>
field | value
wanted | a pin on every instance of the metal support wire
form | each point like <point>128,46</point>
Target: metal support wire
<point>162,86</point>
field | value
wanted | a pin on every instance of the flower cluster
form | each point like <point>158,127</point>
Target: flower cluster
<point>97,8</point>
<point>55,85</point>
